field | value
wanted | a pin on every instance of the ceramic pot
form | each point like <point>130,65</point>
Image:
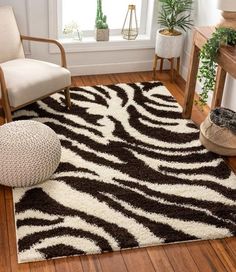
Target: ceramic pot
<point>169,46</point>
<point>102,34</point>
<point>226,5</point>
<point>228,8</point>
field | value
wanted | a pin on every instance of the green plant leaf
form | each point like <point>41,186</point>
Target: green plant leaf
<point>175,14</point>
<point>208,56</point>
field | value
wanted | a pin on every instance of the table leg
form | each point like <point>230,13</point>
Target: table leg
<point>155,66</point>
<point>219,88</point>
<point>161,66</point>
<point>191,82</point>
<point>178,66</point>
<point>172,71</point>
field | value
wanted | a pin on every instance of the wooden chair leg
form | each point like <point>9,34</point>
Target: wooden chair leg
<point>7,112</point>
<point>161,66</point>
<point>6,108</point>
<point>155,66</point>
<point>2,116</point>
<point>5,99</point>
<point>67,97</point>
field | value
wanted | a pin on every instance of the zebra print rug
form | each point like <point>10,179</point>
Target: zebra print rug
<point>133,174</point>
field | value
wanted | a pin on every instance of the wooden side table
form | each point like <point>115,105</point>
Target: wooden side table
<point>172,62</point>
<point>226,64</point>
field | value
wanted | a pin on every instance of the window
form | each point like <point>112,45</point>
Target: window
<point>83,14</point>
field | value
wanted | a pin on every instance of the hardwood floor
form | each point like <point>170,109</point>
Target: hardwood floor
<point>204,256</point>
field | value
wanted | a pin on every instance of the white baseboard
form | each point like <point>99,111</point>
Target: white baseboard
<point>109,68</point>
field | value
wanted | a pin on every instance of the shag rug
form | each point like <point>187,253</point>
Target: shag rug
<point>133,174</point>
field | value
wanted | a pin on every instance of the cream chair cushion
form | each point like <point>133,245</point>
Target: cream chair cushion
<point>10,42</point>
<point>29,79</point>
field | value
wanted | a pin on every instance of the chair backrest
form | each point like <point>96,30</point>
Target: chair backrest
<point>10,42</point>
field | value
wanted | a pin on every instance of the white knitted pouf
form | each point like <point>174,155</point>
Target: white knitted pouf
<point>30,153</point>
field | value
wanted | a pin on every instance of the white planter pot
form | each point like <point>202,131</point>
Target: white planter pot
<point>169,46</point>
<point>226,5</point>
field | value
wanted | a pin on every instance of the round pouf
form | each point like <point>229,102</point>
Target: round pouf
<point>30,153</point>
<point>218,132</point>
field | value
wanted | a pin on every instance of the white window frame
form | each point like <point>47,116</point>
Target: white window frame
<point>113,32</point>
<point>116,42</point>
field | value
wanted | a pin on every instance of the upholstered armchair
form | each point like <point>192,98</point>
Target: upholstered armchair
<point>23,80</point>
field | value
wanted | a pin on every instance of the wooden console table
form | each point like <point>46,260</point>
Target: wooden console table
<point>226,64</point>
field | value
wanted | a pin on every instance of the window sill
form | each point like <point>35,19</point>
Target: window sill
<point>115,43</point>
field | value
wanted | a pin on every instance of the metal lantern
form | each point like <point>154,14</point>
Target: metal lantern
<point>130,26</point>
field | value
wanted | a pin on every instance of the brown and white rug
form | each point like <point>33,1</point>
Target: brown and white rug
<point>133,174</point>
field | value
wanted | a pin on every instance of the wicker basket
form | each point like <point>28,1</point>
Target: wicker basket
<point>217,136</point>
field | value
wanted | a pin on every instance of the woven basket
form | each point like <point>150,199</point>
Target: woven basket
<point>218,139</point>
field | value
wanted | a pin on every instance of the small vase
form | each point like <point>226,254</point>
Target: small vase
<point>102,34</point>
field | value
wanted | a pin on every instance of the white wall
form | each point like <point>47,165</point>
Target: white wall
<point>32,17</point>
<point>206,14</point>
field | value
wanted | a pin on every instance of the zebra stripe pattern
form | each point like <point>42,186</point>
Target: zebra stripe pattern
<point>132,174</point>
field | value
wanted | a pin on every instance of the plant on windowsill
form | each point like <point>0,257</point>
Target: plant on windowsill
<point>207,72</point>
<point>71,31</point>
<point>174,18</point>
<point>102,30</point>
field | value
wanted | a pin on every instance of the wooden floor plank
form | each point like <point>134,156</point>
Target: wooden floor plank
<point>225,254</point>
<point>91,263</point>
<point>112,262</point>
<point>231,243</point>
<point>4,245</point>
<point>180,258</point>
<point>75,264</point>
<point>137,260</point>
<point>44,266</point>
<point>159,259</point>
<point>12,235</point>
<point>205,257</point>
<point>61,265</point>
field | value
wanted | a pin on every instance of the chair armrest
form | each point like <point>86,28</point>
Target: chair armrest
<point>60,46</point>
<point>4,98</point>
<point>3,83</point>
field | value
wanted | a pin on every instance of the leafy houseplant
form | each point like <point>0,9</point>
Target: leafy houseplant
<point>175,14</point>
<point>174,17</point>
<point>102,30</point>
<point>208,55</point>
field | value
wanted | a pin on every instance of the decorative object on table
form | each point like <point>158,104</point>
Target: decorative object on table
<point>102,30</point>
<point>208,55</point>
<point>228,8</point>
<point>130,27</point>
<point>133,173</point>
<point>72,31</point>
<point>30,153</point>
<point>218,132</point>
<point>175,18</point>
<point>23,80</point>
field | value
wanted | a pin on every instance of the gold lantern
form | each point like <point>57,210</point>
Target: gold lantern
<point>130,26</point>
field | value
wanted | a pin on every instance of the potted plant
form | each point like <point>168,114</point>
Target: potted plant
<point>209,52</point>
<point>102,30</point>
<point>71,31</point>
<point>175,18</point>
